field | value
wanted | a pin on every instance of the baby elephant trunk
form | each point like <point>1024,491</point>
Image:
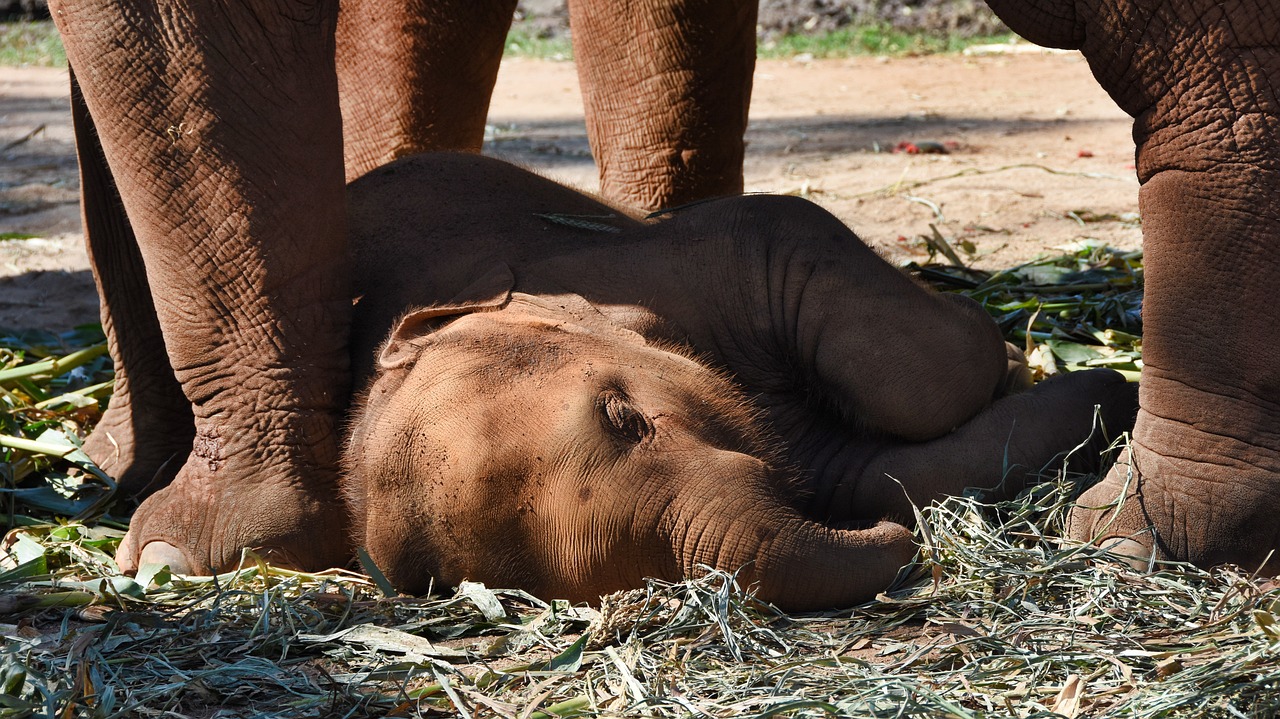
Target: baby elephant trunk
<point>788,560</point>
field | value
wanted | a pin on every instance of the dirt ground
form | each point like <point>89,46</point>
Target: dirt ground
<point>1037,156</point>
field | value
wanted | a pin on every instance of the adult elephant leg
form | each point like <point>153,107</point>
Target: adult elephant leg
<point>1204,467</point>
<point>666,84</point>
<point>1202,80</point>
<point>416,76</point>
<point>221,127</point>
<point>145,434</point>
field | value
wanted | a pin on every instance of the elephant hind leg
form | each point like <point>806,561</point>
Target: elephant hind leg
<point>1004,448</point>
<point>416,76</point>
<point>667,85</point>
<point>146,432</point>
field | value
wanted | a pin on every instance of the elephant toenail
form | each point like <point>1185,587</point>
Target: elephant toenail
<point>1128,551</point>
<point>165,553</point>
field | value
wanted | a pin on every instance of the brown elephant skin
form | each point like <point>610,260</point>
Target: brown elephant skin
<point>742,385</point>
<point>212,140</point>
<point>1202,80</point>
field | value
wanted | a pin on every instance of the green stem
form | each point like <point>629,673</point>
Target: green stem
<point>88,392</point>
<point>30,445</point>
<point>14,603</point>
<point>54,366</point>
<point>567,708</point>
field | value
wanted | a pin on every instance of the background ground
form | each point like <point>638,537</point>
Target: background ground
<point>1037,155</point>
<point>782,17</point>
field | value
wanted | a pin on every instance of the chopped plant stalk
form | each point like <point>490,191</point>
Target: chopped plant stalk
<point>1077,310</point>
<point>27,445</point>
<point>54,366</point>
<point>51,390</point>
<point>1017,622</point>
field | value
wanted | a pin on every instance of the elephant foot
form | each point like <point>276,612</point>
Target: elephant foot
<point>1153,507</point>
<point>219,504</point>
<point>142,451</point>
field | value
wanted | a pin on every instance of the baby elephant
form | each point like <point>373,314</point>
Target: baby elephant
<point>568,400</point>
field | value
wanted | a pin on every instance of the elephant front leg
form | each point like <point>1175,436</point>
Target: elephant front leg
<point>1202,80</point>
<point>1202,475</point>
<point>666,84</point>
<point>221,127</point>
<point>145,434</point>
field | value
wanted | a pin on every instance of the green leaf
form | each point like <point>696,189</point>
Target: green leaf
<point>1267,623</point>
<point>567,661</point>
<point>1044,274</point>
<point>25,549</point>
<point>484,599</point>
<point>371,568</point>
<point>106,587</point>
<point>47,499</point>
<point>11,702</point>
<point>416,649</point>
<point>75,400</point>
<point>35,567</point>
<point>1072,352</point>
<point>567,708</point>
<point>65,533</point>
<point>15,675</point>
<point>153,573</point>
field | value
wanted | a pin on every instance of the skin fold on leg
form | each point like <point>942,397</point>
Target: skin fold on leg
<point>145,434</point>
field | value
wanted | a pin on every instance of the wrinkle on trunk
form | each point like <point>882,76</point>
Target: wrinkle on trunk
<point>790,561</point>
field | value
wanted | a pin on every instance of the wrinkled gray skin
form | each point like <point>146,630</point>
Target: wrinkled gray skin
<point>1202,80</point>
<point>558,417</point>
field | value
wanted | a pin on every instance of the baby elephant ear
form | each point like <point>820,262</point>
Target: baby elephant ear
<point>489,293</point>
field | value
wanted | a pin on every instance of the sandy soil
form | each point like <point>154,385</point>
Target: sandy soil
<point>1038,156</point>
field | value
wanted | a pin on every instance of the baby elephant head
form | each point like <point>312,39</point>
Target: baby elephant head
<point>529,442</point>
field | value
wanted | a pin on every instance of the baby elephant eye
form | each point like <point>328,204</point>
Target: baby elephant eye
<point>622,418</point>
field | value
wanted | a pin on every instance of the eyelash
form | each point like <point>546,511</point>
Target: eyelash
<point>622,418</point>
